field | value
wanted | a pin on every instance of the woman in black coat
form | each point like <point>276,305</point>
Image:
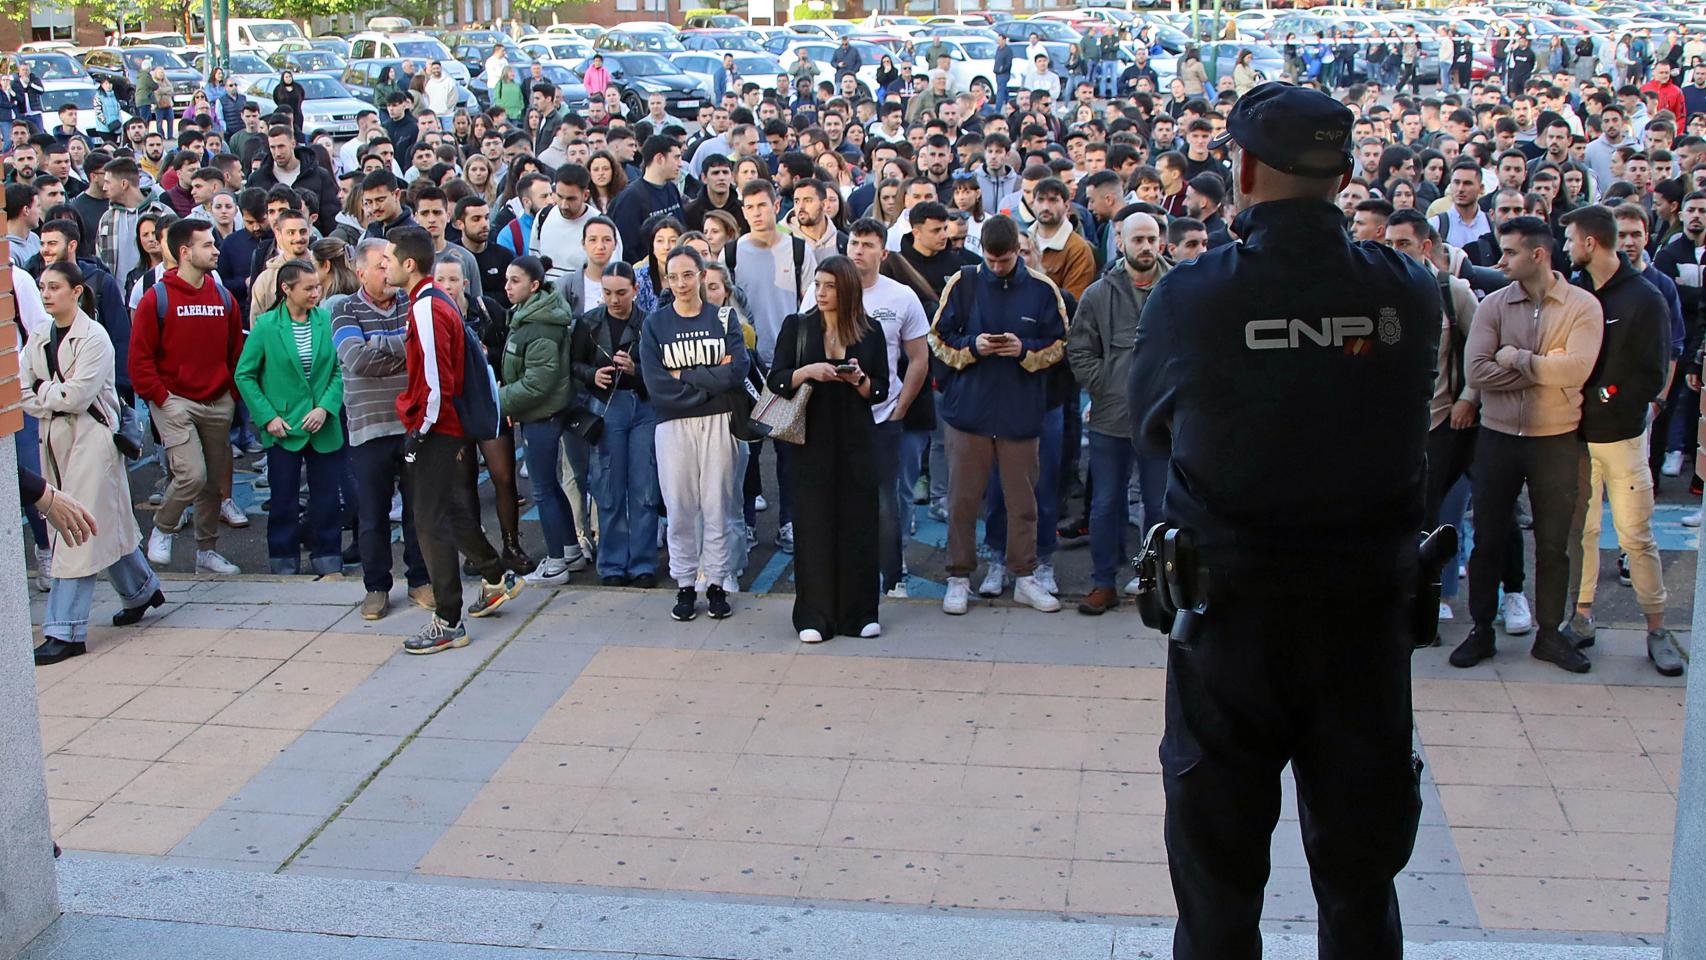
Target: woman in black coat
<point>289,96</point>
<point>838,349</point>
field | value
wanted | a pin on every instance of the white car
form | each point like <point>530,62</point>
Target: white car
<point>328,104</point>
<point>268,35</point>
<point>971,59</point>
<point>56,93</point>
<point>586,31</point>
<point>821,51</point>
<point>420,47</point>
<point>555,48</point>
<point>831,29</point>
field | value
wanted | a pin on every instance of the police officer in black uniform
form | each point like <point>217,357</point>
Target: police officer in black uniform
<point>1288,377</point>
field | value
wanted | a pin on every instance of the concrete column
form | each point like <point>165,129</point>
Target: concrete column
<point>29,896</point>
<point>1685,934</point>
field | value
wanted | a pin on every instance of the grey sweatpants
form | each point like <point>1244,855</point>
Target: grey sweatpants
<point>696,473</point>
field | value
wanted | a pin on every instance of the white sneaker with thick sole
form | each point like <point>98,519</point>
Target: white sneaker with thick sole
<point>994,582</point>
<point>575,561</point>
<point>553,571</point>
<point>870,630</point>
<point>958,595</point>
<point>160,547</point>
<point>759,504</point>
<point>810,636</point>
<point>1691,520</point>
<point>209,561</point>
<point>1673,464</point>
<point>897,592</point>
<point>1445,611</point>
<point>1028,591</point>
<point>1132,587</point>
<point>1518,618</point>
<point>1045,577</point>
<point>232,514</point>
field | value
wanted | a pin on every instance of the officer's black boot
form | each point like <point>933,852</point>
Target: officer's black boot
<point>1550,645</point>
<point>1476,647</point>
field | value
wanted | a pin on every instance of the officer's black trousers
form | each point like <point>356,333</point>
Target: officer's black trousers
<point>1326,688</point>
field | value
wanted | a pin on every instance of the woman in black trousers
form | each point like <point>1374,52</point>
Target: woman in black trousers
<point>841,352</point>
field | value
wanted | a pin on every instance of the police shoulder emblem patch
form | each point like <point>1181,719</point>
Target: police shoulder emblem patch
<point>1390,328</point>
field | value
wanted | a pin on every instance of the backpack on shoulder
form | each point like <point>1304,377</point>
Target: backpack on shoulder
<point>477,404</point>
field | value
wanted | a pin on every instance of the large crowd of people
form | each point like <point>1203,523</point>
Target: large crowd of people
<point>930,300</point>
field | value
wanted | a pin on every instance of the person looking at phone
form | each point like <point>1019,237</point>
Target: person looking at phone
<point>841,351</point>
<point>1000,327</point>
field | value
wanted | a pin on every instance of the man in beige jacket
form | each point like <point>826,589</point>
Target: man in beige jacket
<point>1532,346</point>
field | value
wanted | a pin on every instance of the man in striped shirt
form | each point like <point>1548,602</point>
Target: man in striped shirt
<point>368,330</point>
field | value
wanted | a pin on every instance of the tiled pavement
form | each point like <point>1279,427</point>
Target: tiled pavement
<point>1003,762</point>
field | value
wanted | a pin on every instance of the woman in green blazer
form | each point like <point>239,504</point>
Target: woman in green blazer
<point>289,378</point>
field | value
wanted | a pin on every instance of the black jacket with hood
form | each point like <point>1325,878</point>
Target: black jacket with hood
<point>1633,359</point>
<point>313,178</point>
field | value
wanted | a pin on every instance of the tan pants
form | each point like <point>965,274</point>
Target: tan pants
<point>1620,471</point>
<point>970,458</point>
<point>196,440</point>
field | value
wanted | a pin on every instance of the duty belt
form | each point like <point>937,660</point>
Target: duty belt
<point>1172,584</point>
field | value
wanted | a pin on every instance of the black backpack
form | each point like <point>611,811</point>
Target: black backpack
<point>477,404</point>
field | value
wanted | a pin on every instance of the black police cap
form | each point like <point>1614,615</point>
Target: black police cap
<point>1295,130</point>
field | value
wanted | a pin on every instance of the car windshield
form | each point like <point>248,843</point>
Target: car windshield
<point>83,97</point>
<point>54,66</point>
<point>656,41</point>
<point>979,49</point>
<point>757,65</point>
<point>319,60</point>
<point>248,63</point>
<point>646,65</point>
<point>428,49</point>
<point>274,32</point>
<point>136,59</point>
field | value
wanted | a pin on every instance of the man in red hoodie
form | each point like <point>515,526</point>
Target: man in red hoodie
<point>438,453</point>
<point>182,355</point>
<point>1670,95</point>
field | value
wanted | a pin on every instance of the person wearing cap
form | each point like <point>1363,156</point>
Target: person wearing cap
<point>1287,379</point>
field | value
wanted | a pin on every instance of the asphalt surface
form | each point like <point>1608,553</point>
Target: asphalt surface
<point>769,570</point>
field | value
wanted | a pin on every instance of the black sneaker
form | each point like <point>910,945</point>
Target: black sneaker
<point>645,581</point>
<point>717,602</point>
<point>1550,646</point>
<point>615,580</point>
<point>1623,569</point>
<point>686,604</point>
<point>1476,647</point>
<point>1073,532</point>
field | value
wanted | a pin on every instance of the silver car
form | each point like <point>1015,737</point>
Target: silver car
<point>327,104</point>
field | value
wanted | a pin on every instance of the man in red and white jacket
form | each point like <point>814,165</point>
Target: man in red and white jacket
<point>182,356</point>
<point>437,451</point>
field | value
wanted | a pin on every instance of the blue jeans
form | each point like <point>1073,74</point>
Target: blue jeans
<point>28,441</point>
<point>625,486</point>
<point>892,501</point>
<point>325,509</point>
<point>1451,511</point>
<point>1048,496</point>
<point>1001,80</point>
<point>67,614</point>
<point>544,438</point>
<point>377,467</point>
<point>914,449</point>
<point>1110,474</point>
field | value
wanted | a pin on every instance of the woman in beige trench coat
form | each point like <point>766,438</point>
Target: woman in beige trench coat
<point>67,381</point>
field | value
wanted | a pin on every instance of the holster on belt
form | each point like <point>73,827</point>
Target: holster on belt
<point>1172,584</point>
<point>1434,551</point>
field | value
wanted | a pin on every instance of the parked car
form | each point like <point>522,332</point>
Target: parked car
<point>636,76</point>
<point>337,45</point>
<point>419,47</point>
<point>245,67</point>
<point>645,41</point>
<point>48,65</point>
<point>472,47</point>
<point>970,60</point>
<point>720,40</point>
<point>326,104</point>
<point>556,48</point>
<point>574,92</point>
<point>364,77</point>
<point>829,29</point>
<point>714,21</point>
<point>1221,56</point>
<point>154,38</point>
<point>821,51</point>
<point>311,61</point>
<point>704,65</point>
<point>1019,31</point>
<point>125,64</point>
<point>585,31</point>
<point>266,35</point>
<point>63,81</point>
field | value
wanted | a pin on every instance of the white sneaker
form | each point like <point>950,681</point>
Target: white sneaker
<point>897,592</point>
<point>553,571</point>
<point>44,570</point>
<point>994,582</point>
<point>870,630</point>
<point>1445,611</point>
<point>959,592</point>
<point>232,514</point>
<point>1673,464</point>
<point>1132,587</point>
<point>1518,618</point>
<point>575,561</point>
<point>760,504</point>
<point>1691,520</point>
<point>209,561</point>
<point>160,547</point>
<point>522,470</point>
<point>810,636</point>
<point>396,508</point>
<point>785,538</point>
<point>1028,591</point>
<point>1045,577</point>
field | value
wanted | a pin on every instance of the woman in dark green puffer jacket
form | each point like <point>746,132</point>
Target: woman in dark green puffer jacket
<point>537,391</point>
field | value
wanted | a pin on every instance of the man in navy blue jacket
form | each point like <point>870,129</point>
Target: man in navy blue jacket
<point>999,328</point>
